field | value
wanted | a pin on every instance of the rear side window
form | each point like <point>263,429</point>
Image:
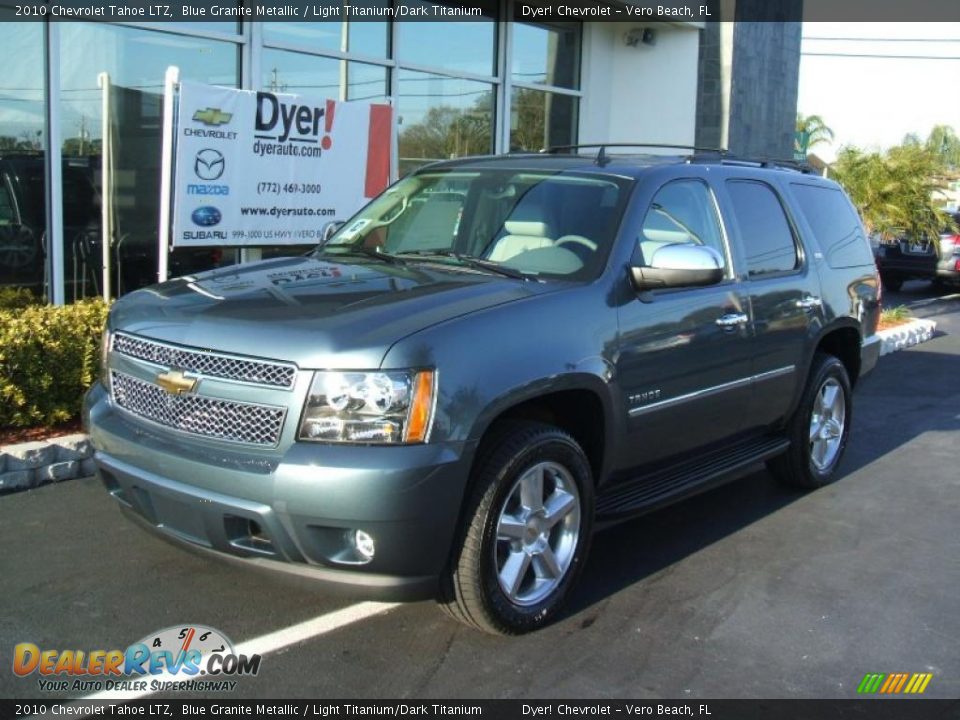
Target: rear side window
<point>835,225</point>
<point>768,241</point>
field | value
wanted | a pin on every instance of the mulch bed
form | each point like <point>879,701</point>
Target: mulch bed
<point>883,325</point>
<point>11,436</point>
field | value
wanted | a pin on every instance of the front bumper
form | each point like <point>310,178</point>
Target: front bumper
<point>291,511</point>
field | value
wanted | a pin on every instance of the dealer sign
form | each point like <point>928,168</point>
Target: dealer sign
<point>258,168</point>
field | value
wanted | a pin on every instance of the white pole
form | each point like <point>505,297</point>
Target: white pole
<point>166,173</point>
<point>106,173</point>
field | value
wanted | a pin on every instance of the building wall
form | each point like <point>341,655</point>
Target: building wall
<point>748,79</point>
<point>646,93</point>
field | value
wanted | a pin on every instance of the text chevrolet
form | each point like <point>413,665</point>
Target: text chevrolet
<point>495,358</point>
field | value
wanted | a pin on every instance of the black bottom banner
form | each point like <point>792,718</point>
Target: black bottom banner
<point>873,709</point>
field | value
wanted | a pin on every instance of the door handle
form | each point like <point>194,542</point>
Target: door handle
<point>731,321</point>
<point>810,302</point>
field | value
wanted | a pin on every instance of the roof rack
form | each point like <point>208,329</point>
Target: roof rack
<point>602,158</point>
<point>775,163</point>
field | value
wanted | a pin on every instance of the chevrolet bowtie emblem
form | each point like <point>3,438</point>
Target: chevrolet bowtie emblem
<point>175,382</point>
<point>212,116</point>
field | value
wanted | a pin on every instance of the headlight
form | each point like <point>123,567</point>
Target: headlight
<point>369,407</point>
<point>105,358</point>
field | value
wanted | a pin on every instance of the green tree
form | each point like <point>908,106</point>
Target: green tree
<point>816,129</point>
<point>943,141</point>
<point>894,191</point>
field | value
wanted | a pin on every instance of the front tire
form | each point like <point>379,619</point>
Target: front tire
<point>819,428</point>
<point>527,531</point>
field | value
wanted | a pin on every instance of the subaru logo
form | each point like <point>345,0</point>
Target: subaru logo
<point>209,164</point>
<point>206,216</point>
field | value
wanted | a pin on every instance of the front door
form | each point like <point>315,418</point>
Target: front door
<point>685,354</point>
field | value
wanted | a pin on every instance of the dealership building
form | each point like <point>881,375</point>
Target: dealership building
<point>496,83</point>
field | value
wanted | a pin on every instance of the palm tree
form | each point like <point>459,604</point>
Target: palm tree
<point>815,129</point>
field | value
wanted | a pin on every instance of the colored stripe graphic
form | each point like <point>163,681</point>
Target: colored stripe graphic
<point>894,683</point>
<point>379,134</point>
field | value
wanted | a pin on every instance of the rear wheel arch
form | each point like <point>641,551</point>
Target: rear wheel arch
<point>843,342</point>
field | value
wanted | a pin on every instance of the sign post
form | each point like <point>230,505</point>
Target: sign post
<point>166,173</point>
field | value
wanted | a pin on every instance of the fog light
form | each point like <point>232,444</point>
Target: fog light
<point>363,544</point>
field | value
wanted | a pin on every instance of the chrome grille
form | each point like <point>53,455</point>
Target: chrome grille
<point>199,415</point>
<point>211,364</point>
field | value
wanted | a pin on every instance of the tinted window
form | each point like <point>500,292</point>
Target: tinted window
<point>7,214</point>
<point>835,225</point>
<point>681,212</point>
<point>767,238</point>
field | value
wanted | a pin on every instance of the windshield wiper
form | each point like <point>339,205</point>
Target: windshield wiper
<point>471,261</point>
<point>360,251</point>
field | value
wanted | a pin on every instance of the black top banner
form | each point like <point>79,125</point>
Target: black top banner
<point>639,11</point>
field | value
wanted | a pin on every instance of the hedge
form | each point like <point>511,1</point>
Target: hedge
<point>49,357</point>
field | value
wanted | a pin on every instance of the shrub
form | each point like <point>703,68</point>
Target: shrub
<point>15,298</point>
<point>49,357</point>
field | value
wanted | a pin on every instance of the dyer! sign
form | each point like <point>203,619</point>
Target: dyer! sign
<point>258,168</point>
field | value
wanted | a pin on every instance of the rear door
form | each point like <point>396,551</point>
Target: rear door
<point>783,291</point>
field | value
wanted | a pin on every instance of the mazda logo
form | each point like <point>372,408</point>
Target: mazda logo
<point>209,164</point>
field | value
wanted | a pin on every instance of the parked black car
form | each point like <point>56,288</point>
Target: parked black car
<point>908,259</point>
<point>24,241</point>
<point>492,360</point>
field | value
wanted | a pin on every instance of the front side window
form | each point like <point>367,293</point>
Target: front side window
<point>683,212</point>
<point>539,224</point>
<point>768,240</point>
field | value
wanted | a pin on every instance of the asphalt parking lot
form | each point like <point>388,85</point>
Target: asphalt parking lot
<point>751,590</point>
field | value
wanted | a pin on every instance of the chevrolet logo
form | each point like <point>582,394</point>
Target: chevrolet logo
<point>212,116</point>
<point>175,382</point>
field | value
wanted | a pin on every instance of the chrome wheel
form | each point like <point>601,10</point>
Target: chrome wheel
<point>827,424</point>
<point>537,533</point>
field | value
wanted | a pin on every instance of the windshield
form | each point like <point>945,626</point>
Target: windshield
<point>529,222</point>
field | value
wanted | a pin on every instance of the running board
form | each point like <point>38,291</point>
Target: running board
<point>688,477</point>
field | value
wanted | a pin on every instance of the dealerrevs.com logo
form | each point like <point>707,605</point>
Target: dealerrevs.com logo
<point>180,658</point>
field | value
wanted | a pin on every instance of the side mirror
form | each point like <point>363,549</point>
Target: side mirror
<point>328,231</point>
<point>680,265</point>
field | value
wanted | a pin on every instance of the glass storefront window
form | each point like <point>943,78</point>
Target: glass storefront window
<point>322,77</point>
<point>454,46</point>
<point>546,54</point>
<point>136,61</point>
<point>367,37</point>
<point>442,118</point>
<point>540,119</point>
<point>22,107</point>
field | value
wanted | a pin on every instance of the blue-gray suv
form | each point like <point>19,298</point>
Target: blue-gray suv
<point>495,358</point>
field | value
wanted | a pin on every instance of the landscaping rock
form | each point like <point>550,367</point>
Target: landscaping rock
<point>28,456</point>
<point>16,480</point>
<point>73,447</point>
<point>58,471</point>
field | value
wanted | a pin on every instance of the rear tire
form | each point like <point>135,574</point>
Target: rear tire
<point>526,533</point>
<point>819,428</point>
<point>892,283</point>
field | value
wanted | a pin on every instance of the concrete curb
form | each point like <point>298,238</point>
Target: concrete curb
<point>903,336</point>
<point>27,465</point>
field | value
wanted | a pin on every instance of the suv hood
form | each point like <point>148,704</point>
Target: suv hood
<point>314,312</point>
